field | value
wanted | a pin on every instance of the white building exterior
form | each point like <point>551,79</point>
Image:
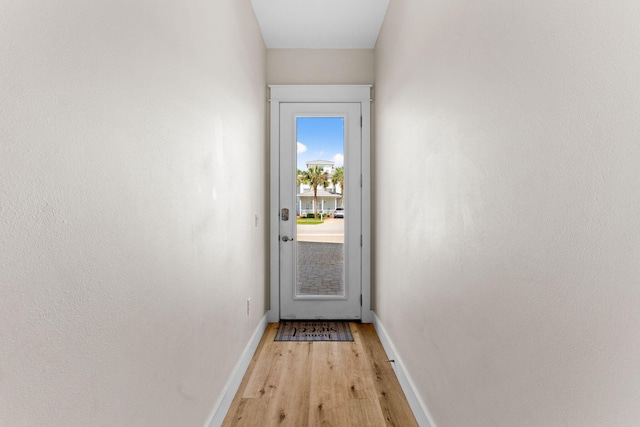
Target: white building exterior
<point>329,198</point>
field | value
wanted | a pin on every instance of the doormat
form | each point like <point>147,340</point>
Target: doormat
<point>313,330</point>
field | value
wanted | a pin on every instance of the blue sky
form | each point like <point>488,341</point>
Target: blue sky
<point>320,138</point>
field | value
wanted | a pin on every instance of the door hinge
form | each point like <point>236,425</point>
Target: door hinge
<point>360,180</point>
<point>360,121</point>
<point>360,300</point>
<point>361,240</point>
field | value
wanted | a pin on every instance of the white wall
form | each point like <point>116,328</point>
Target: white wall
<point>508,149</point>
<point>132,163</point>
<point>320,66</point>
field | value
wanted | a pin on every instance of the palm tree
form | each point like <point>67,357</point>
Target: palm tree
<point>299,174</point>
<point>315,177</point>
<point>338,178</point>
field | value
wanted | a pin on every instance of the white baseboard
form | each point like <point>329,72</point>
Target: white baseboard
<point>420,411</point>
<point>231,388</point>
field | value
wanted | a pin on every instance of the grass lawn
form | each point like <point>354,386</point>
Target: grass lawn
<point>309,221</point>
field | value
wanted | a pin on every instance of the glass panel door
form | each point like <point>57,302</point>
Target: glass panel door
<point>320,149</point>
<point>320,206</point>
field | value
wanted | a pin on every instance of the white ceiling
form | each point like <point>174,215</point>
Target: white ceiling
<point>320,24</point>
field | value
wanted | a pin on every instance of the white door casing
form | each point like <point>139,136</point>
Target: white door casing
<point>353,103</point>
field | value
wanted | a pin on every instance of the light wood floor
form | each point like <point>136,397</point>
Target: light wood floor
<point>337,384</point>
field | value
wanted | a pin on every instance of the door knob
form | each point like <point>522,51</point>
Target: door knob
<point>286,238</point>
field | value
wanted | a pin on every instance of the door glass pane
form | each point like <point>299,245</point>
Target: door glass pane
<point>320,263</point>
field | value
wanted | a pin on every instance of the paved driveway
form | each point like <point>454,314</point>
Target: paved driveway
<point>321,258</point>
<point>320,269</point>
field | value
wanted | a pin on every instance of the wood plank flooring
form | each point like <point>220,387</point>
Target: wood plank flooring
<point>332,384</point>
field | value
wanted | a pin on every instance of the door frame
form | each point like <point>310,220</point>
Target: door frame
<point>318,94</point>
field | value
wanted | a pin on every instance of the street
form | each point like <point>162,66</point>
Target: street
<point>331,231</point>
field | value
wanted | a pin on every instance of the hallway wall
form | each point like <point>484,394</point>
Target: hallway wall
<point>132,166</point>
<point>320,66</point>
<point>507,150</point>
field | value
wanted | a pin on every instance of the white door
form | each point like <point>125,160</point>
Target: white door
<point>320,212</point>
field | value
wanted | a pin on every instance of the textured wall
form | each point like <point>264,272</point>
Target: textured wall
<point>507,150</point>
<point>132,165</point>
<point>320,66</point>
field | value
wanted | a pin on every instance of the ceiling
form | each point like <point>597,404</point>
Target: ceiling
<point>320,24</point>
